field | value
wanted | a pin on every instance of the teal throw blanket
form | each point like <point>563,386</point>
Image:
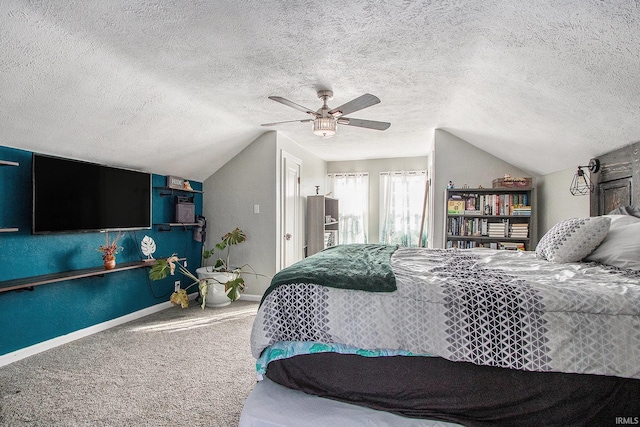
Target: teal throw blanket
<point>363,267</point>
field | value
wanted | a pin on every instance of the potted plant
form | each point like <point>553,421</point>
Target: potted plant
<point>219,284</point>
<point>224,282</point>
<point>109,252</point>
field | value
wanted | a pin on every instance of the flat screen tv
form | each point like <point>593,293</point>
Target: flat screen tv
<point>74,196</point>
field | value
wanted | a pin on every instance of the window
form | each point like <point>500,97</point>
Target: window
<point>402,208</point>
<point>352,191</point>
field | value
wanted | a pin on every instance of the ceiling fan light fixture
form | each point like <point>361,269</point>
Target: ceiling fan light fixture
<point>324,126</point>
<point>325,121</point>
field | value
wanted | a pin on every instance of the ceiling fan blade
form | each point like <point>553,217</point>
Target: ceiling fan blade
<point>294,105</point>
<point>369,124</point>
<point>364,101</point>
<point>288,121</point>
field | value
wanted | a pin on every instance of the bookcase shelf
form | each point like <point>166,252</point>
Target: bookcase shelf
<point>321,233</point>
<point>497,218</point>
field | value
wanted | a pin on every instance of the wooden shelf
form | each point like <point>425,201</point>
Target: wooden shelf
<point>487,238</point>
<point>491,190</point>
<point>30,282</point>
<point>460,215</point>
<point>170,225</point>
<point>172,190</point>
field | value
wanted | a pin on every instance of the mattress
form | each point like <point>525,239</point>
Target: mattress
<point>473,395</point>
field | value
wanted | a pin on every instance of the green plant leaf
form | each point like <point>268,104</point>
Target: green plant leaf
<point>207,253</point>
<point>233,288</point>
<point>159,270</point>
<point>204,287</point>
<point>234,237</point>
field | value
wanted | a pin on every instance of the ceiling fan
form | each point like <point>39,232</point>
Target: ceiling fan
<point>325,120</point>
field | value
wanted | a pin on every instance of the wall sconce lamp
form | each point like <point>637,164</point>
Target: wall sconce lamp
<point>581,184</point>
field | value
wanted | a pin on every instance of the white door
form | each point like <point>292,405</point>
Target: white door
<point>291,243</point>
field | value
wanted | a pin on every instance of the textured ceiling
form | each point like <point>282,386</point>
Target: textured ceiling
<point>180,87</point>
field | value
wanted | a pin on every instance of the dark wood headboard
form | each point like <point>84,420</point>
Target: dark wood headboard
<point>618,181</point>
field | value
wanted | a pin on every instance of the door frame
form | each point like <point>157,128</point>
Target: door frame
<point>285,159</point>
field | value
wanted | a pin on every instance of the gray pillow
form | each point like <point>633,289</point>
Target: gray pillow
<point>572,240</point>
<point>626,210</point>
<point>621,247</point>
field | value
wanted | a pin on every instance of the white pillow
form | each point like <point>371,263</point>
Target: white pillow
<point>621,246</point>
<point>573,239</point>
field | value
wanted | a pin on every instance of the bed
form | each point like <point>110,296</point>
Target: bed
<point>457,337</point>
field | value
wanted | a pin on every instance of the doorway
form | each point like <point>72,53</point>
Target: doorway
<point>291,233</point>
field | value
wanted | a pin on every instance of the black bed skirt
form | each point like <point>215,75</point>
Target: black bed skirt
<point>472,395</point>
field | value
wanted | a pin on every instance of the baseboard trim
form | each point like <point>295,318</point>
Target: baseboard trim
<point>23,353</point>
<point>249,297</point>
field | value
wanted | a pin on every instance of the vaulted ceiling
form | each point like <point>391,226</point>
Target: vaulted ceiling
<point>180,87</point>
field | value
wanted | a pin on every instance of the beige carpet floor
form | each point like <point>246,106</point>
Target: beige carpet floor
<point>178,367</point>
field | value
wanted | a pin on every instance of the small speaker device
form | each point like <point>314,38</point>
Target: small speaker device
<point>185,210</point>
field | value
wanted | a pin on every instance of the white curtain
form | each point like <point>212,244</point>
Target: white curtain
<point>352,192</point>
<point>401,208</point>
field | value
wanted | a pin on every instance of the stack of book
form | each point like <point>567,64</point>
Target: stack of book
<point>520,230</point>
<point>497,229</point>
<point>522,211</point>
<point>511,246</point>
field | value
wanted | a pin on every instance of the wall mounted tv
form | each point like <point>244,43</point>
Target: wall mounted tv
<point>74,196</point>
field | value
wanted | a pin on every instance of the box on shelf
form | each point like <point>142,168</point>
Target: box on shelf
<point>509,182</point>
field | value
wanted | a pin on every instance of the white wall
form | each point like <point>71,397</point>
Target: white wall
<point>229,196</point>
<point>252,178</point>
<point>456,160</point>
<point>374,167</point>
<point>556,202</point>
<point>312,173</point>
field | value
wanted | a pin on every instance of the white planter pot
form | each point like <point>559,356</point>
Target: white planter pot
<point>216,297</point>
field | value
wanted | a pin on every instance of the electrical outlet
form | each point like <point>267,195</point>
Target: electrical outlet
<point>177,286</point>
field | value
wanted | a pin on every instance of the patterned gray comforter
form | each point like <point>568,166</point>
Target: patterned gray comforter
<point>498,308</point>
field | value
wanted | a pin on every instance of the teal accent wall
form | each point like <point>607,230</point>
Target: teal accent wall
<point>52,310</point>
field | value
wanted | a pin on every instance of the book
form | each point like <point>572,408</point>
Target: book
<point>522,211</point>
<point>511,246</point>
<point>456,207</point>
<point>519,230</point>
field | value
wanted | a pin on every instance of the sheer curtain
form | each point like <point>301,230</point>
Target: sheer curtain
<point>401,207</point>
<point>352,192</point>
